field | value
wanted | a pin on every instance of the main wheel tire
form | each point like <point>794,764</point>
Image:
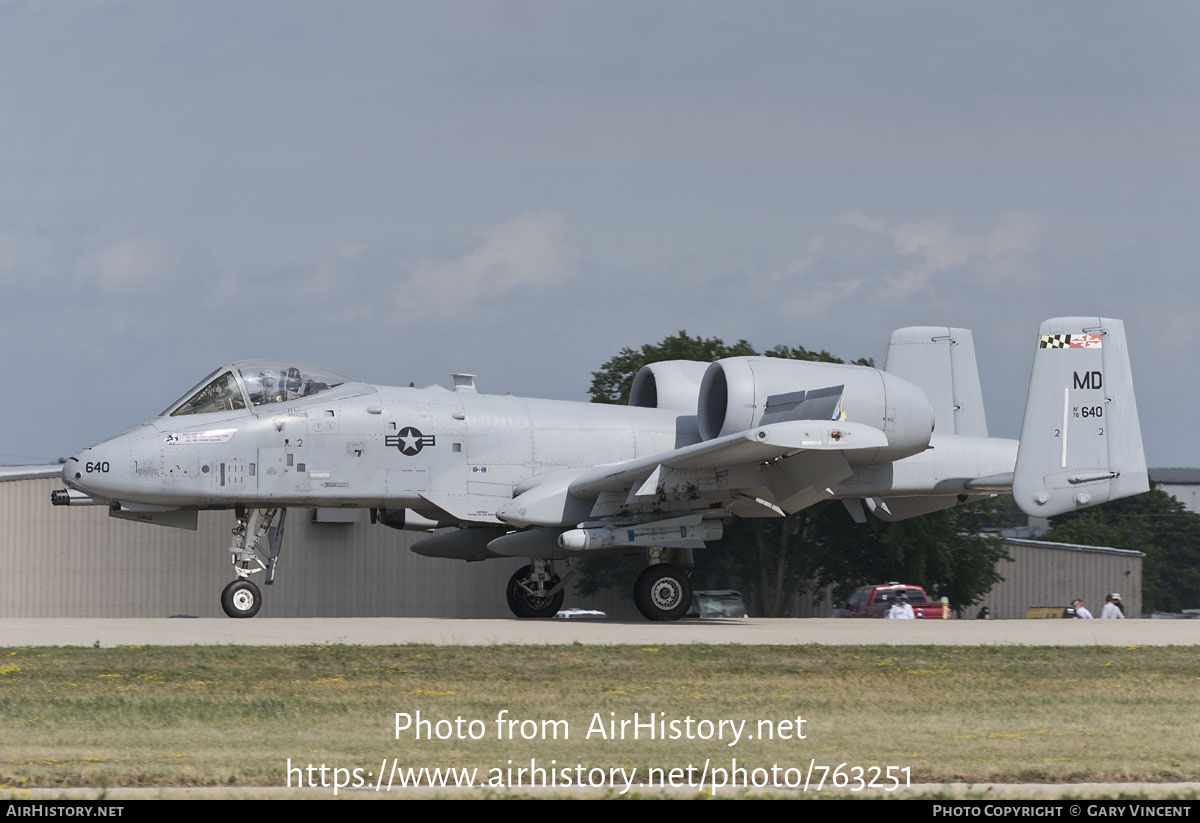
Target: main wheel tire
<point>663,592</point>
<point>523,604</point>
<point>241,598</point>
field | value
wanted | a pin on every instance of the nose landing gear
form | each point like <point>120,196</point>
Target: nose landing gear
<point>241,598</point>
<point>535,590</point>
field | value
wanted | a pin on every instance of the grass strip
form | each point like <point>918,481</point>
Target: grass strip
<point>234,715</point>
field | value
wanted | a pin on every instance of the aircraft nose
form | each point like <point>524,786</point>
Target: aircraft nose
<point>99,467</point>
<point>72,471</point>
<point>106,469</point>
<point>93,468</point>
<point>78,468</point>
<point>88,477</point>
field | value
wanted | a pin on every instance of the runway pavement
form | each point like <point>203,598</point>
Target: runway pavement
<point>448,632</point>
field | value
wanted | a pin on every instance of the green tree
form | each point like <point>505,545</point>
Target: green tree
<point>822,546</point>
<point>777,559</point>
<point>1154,523</point>
<point>614,380</point>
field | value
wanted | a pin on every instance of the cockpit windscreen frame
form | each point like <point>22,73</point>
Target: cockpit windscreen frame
<point>258,384</point>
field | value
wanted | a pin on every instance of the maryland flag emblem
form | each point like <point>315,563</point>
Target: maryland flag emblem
<point>1070,341</point>
<point>1085,341</point>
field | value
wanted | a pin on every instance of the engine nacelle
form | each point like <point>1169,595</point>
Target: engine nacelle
<point>670,384</point>
<point>741,392</point>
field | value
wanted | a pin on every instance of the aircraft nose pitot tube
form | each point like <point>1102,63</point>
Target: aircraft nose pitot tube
<point>739,393</point>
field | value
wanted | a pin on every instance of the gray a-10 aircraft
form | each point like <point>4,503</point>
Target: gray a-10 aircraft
<point>699,443</point>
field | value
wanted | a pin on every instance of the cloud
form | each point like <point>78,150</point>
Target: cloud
<point>933,247</point>
<point>122,266</point>
<point>866,259</point>
<point>528,251</point>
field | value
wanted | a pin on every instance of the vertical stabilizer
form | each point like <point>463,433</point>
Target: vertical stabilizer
<point>1080,440</point>
<point>941,361</point>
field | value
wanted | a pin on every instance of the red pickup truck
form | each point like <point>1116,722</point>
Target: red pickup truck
<point>874,601</point>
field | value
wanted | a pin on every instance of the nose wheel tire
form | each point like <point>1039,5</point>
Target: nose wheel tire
<point>241,598</point>
<point>663,592</point>
<point>524,604</point>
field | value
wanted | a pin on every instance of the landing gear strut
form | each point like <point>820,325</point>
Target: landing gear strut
<point>535,590</point>
<point>241,598</point>
<point>663,591</point>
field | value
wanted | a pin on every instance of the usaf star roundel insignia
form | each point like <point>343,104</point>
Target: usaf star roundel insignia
<point>410,441</point>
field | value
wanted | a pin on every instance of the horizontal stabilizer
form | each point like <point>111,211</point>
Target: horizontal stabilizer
<point>1081,443</point>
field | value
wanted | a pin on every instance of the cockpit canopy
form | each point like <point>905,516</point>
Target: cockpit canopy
<point>254,383</point>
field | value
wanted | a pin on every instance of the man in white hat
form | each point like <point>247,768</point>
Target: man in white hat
<point>900,610</point>
<point>1111,610</point>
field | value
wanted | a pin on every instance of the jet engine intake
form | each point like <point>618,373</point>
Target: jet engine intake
<point>670,384</point>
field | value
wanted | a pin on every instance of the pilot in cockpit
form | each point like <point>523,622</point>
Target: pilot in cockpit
<point>266,389</point>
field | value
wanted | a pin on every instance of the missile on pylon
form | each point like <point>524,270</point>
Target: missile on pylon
<point>680,533</point>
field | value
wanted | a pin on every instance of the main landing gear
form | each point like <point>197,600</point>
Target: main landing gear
<point>663,591</point>
<point>241,598</point>
<point>535,590</point>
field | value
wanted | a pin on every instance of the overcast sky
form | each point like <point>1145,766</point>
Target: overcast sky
<point>519,189</point>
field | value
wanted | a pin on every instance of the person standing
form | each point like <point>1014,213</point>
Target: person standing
<point>1080,611</point>
<point>900,610</point>
<point>1112,609</point>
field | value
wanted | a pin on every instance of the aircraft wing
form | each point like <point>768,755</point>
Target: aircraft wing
<point>765,471</point>
<point>30,472</point>
<point>752,446</point>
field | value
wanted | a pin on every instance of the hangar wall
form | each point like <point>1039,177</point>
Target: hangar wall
<point>79,562</point>
<point>1054,574</point>
<point>1182,484</point>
